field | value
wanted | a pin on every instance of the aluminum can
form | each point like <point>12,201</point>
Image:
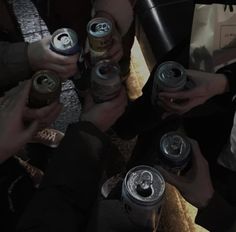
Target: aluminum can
<point>64,41</point>
<point>105,81</point>
<point>169,76</point>
<point>175,152</point>
<point>99,32</point>
<point>143,191</point>
<point>45,88</point>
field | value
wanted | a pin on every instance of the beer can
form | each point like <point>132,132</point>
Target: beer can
<point>142,195</point>
<point>45,88</point>
<point>99,32</point>
<point>169,76</point>
<point>105,81</point>
<point>175,152</point>
<point>64,41</point>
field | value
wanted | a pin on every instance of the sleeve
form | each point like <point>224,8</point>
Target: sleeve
<point>14,64</point>
<point>114,8</point>
<point>218,216</point>
<point>70,185</point>
<point>230,72</point>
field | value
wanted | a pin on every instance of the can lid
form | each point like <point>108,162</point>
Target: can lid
<point>45,81</point>
<point>175,147</point>
<point>144,184</point>
<point>99,27</point>
<point>105,69</point>
<point>64,39</point>
<point>171,74</point>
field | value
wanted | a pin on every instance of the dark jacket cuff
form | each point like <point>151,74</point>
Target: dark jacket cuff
<point>218,216</point>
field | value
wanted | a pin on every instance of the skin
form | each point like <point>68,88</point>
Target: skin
<point>197,178</point>
<point>206,86</point>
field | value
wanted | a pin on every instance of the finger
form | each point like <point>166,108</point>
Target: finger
<point>39,114</point>
<point>52,116</point>
<point>115,58</point>
<point>20,94</point>
<point>172,179</point>
<point>28,133</point>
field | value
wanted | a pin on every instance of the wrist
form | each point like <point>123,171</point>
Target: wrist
<point>222,85</point>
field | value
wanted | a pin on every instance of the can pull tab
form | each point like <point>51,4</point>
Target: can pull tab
<point>144,184</point>
<point>176,145</point>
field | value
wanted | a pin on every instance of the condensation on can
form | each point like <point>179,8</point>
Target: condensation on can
<point>143,191</point>
<point>45,89</point>
<point>169,76</point>
<point>99,32</point>
<point>105,81</point>
<point>175,152</point>
<point>64,41</point>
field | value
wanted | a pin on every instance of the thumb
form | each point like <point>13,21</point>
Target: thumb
<point>171,178</point>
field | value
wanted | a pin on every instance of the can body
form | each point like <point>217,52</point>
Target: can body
<point>175,152</point>
<point>169,76</point>
<point>105,81</point>
<point>64,41</point>
<point>99,32</point>
<point>142,195</point>
<point>45,88</point>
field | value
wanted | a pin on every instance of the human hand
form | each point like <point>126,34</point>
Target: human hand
<point>206,86</point>
<point>195,186</point>
<point>42,57</point>
<point>13,132</point>
<point>45,115</point>
<point>104,115</point>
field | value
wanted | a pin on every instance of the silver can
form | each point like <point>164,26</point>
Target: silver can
<point>169,76</point>
<point>175,152</point>
<point>45,88</point>
<point>99,32</point>
<point>105,81</point>
<point>64,41</point>
<point>143,191</point>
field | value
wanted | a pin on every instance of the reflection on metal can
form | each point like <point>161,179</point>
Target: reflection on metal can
<point>64,41</point>
<point>45,88</point>
<point>142,195</point>
<point>169,76</point>
<point>105,81</point>
<point>175,152</point>
<point>100,37</point>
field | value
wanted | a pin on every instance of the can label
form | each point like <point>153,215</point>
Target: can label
<point>105,81</point>
<point>64,41</point>
<point>142,195</point>
<point>99,35</point>
<point>175,152</point>
<point>45,88</point>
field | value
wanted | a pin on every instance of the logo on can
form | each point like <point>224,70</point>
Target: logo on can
<point>45,88</point>
<point>100,37</point>
<point>175,152</point>
<point>142,194</point>
<point>64,41</point>
<point>105,81</point>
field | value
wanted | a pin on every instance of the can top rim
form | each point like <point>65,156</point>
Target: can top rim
<point>157,190</point>
<point>99,20</point>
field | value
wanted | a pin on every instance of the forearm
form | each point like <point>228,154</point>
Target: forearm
<point>121,12</point>
<point>14,64</point>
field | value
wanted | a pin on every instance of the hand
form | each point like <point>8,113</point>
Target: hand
<point>42,57</point>
<point>45,115</point>
<point>13,132</point>
<point>195,186</point>
<point>206,86</point>
<point>104,115</point>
